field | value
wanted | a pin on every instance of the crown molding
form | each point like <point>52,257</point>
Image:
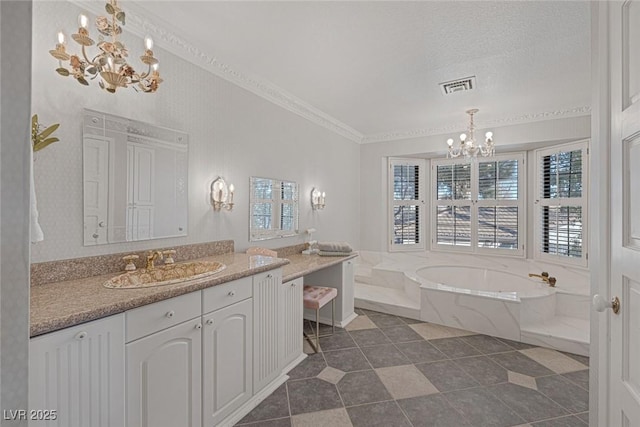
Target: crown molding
<point>523,118</point>
<point>169,38</point>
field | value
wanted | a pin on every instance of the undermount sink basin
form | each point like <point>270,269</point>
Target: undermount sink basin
<point>165,275</point>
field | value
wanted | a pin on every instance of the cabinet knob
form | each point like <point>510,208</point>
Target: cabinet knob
<point>269,276</point>
<point>81,335</point>
<point>210,322</point>
<point>232,293</point>
<point>293,284</point>
<point>170,314</point>
<point>199,326</point>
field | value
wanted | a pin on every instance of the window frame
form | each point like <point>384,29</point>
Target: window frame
<point>582,202</point>
<point>474,204</point>
<point>419,202</point>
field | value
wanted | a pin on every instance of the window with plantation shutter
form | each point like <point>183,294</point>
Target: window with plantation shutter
<point>273,208</point>
<point>478,206</point>
<point>406,182</point>
<point>561,203</point>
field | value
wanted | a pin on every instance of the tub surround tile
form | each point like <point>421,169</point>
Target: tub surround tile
<point>312,395</point>
<point>276,405</point>
<point>348,360</point>
<point>405,381</point>
<point>554,360</point>
<point>382,356</point>
<point>359,323</point>
<point>482,408</point>
<point>431,411</point>
<point>527,403</point>
<point>357,388</point>
<point>382,414</point>
<point>328,418</point>
<point>518,362</point>
<point>420,351</point>
<point>430,331</point>
<point>447,376</point>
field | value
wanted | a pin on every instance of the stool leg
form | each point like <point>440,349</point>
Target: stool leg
<point>333,316</point>
<point>317,330</point>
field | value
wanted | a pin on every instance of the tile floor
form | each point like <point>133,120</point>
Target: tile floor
<point>389,371</point>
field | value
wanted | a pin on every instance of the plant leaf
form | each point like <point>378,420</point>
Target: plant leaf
<point>109,8</point>
<point>62,71</point>
<point>48,131</point>
<point>42,144</point>
<point>82,81</point>
<point>120,17</point>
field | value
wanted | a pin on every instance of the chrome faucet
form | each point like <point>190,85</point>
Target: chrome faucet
<point>551,281</point>
<point>152,257</point>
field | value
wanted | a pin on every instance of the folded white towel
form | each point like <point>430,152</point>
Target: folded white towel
<point>330,253</point>
<point>335,247</point>
<point>36,231</point>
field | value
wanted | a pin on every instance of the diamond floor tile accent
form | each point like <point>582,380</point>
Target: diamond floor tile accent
<point>405,381</point>
<point>441,377</point>
<point>522,380</point>
<point>331,375</point>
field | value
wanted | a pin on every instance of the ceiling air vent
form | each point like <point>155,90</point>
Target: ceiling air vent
<point>459,85</point>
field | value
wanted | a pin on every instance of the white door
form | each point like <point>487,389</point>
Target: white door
<point>141,188</point>
<point>164,378</point>
<point>79,373</point>
<point>96,188</point>
<point>227,361</point>
<point>622,405</point>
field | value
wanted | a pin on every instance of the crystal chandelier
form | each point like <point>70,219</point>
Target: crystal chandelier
<point>111,60</point>
<point>469,147</point>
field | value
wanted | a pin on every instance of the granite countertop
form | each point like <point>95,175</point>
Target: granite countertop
<point>60,305</point>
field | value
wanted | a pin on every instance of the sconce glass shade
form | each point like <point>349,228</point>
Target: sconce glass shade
<point>221,195</point>
<point>317,199</point>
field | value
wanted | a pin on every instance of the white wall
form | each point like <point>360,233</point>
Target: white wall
<point>373,166</point>
<point>232,133</point>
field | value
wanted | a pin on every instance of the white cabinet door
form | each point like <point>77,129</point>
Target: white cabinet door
<point>292,322</point>
<point>164,378</point>
<point>79,373</point>
<point>267,304</point>
<point>227,360</point>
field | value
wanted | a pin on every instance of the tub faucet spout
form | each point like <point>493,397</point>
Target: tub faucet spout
<point>551,281</point>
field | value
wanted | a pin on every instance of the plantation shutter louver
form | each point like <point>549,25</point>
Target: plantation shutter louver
<point>406,180</point>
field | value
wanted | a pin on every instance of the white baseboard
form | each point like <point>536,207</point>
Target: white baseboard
<point>327,320</point>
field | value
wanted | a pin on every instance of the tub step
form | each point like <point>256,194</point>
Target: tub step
<point>569,334</point>
<point>386,300</point>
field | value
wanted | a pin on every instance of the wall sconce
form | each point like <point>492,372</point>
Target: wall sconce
<point>221,195</point>
<point>317,199</point>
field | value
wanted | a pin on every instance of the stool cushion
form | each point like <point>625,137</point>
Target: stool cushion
<point>315,297</point>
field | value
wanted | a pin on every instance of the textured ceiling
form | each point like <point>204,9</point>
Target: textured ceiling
<point>375,66</point>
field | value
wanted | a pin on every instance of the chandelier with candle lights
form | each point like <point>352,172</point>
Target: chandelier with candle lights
<point>469,147</point>
<point>111,60</point>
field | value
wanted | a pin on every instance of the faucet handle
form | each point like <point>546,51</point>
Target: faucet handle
<point>168,256</point>
<point>129,260</point>
<point>545,274</point>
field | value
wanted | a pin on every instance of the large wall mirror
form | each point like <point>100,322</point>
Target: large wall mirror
<point>134,180</point>
<point>273,208</point>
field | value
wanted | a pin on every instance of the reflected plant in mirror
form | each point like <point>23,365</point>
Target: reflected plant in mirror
<point>273,208</point>
<point>134,180</point>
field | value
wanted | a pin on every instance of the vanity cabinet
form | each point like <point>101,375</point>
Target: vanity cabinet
<point>227,360</point>
<point>292,323</point>
<point>267,336</point>
<point>79,373</point>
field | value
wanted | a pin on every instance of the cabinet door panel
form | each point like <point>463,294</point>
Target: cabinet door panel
<point>292,322</point>
<point>227,360</point>
<point>164,378</point>
<point>266,325</point>
<point>79,373</point>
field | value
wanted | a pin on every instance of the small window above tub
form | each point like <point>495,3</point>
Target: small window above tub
<point>561,204</point>
<point>478,206</point>
<point>406,204</point>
